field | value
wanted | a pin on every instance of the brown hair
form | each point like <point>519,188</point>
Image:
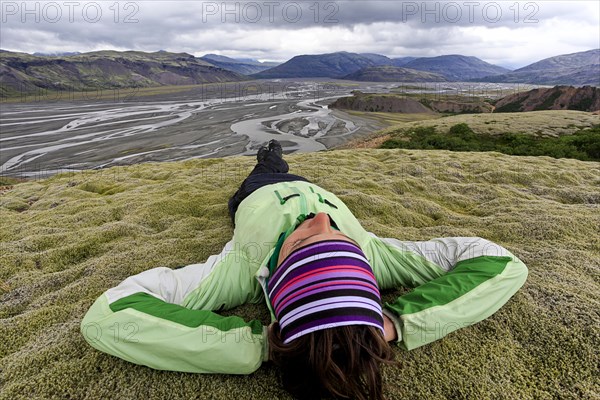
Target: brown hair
<point>343,362</point>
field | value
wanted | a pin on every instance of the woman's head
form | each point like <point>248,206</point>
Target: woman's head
<point>343,362</point>
<point>324,285</point>
<point>329,335</point>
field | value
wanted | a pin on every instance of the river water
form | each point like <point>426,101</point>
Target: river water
<point>42,138</point>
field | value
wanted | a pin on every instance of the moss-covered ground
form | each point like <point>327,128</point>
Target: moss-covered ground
<point>67,239</point>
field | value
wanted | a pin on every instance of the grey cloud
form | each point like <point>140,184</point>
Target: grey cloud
<point>184,15</point>
<point>297,14</point>
<point>383,27</point>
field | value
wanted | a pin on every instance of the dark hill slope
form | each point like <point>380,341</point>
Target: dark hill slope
<point>387,73</point>
<point>585,98</point>
<point>400,103</point>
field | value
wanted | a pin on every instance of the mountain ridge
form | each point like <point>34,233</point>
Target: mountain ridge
<point>581,68</point>
<point>340,64</point>
<point>105,69</point>
<point>110,69</point>
<point>244,66</point>
<point>456,67</point>
<point>329,65</point>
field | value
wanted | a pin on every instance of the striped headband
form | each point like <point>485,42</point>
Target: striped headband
<point>324,285</point>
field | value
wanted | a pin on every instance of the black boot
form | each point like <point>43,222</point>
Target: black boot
<point>262,153</point>
<point>275,147</point>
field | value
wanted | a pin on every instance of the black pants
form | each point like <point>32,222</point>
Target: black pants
<point>273,169</point>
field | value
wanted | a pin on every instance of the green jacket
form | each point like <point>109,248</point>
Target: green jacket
<point>165,318</point>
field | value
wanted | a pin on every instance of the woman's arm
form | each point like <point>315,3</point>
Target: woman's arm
<point>458,282</point>
<point>389,329</point>
<point>148,319</point>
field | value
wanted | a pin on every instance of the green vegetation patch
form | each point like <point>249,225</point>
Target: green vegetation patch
<point>582,145</point>
<point>7,180</point>
<point>78,234</point>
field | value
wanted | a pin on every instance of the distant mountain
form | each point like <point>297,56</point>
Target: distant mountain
<point>378,59</point>
<point>456,67</point>
<point>402,61</point>
<point>341,64</point>
<point>388,73</point>
<point>585,98</point>
<point>573,60</point>
<point>225,59</point>
<point>56,54</point>
<point>579,69</point>
<point>244,66</point>
<point>21,72</point>
<point>219,58</point>
<point>331,65</point>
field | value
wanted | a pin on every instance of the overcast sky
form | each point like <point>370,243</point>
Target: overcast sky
<point>508,33</point>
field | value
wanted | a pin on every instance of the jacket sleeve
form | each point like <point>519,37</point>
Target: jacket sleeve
<point>162,318</point>
<point>457,282</point>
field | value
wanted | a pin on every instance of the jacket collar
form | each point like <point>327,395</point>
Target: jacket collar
<point>284,235</point>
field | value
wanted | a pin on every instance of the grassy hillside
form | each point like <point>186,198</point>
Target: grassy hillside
<point>582,145</point>
<point>552,123</point>
<point>67,239</point>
